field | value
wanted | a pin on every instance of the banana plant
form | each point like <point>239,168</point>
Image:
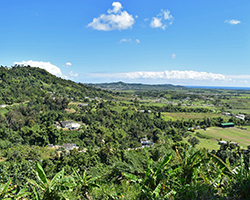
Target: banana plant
<point>9,192</point>
<point>216,172</point>
<point>156,179</point>
<point>85,183</point>
<point>240,181</point>
<point>188,163</point>
<point>58,188</point>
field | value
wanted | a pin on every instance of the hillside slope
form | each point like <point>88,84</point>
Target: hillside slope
<point>135,86</point>
<point>19,84</point>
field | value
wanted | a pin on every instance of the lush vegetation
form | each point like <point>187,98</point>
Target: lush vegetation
<point>110,162</point>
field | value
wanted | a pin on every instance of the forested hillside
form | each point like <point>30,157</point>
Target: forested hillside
<point>135,86</point>
<point>107,158</point>
<point>19,84</point>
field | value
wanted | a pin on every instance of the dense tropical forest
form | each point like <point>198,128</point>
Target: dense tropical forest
<point>101,154</point>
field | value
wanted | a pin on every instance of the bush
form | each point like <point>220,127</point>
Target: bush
<point>193,141</point>
<point>186,134</point>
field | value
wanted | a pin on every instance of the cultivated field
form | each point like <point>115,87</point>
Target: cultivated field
<point>228,134</point>
<point>176,116</point>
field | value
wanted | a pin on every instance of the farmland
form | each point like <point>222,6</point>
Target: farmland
<point>228,134</point>
<point>186,116</point>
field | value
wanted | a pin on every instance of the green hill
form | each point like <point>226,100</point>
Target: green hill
<point>135,86</point>
<point>20,84</point>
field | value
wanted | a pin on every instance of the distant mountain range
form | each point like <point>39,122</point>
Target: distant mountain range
<point>135,86</point>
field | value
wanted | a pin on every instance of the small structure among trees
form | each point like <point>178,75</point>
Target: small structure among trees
<point>227,125</point>
<point>146,143</point>
<point>70,124</point>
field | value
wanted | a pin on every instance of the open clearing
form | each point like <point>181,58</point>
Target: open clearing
<point>176,116</point>
<point>228,134</point>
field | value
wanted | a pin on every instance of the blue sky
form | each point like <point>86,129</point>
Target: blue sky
<point>162,41</point>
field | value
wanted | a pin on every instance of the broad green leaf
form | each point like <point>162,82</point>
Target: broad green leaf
<point>226,170</point>
<point>41,173</point>
<point>4,189</point>
<point>162,163</point>
<point>37,197</point>
<point>157,190</point>
<point>23,192</point>
<point>131,177</point>
<point>41,186</point>
<point>56,178</point>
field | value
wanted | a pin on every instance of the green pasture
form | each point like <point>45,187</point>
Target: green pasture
<point>178,116</point>
<point>210,144</point>
<point>238,103</point>
<point>153,104</point>
<point>228,134</point>
<point>118,109</point>
<point>236,111</point>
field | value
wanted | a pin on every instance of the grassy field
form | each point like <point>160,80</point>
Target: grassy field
<point>210,144</point>
<point>236,111</point>
<point>228,134</point>
<point>175,116</point>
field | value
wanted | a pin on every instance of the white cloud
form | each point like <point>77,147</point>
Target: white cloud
<point>232,22</point>
<point>117,7</point>
<point>173,56</point>
<point>162,20</point>
<point>115,20</point>
<point>165,75</point>
<point>239,76</point>
<point>71,74</point>
<point>175,77</point>
<point>43,65</point>
<point>176,74</point>
<point>137,41</point>
<point>156,23</point>
<point>68,64</point>
<point>125,40</point>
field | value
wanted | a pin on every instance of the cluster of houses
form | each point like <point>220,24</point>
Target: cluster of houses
<point>236,144</point>
<point>91,99</point>
<point>66,146</point>
<point>67,124</point>
<point>143,111</point>
<point>146,143</point>
<point>238,116</point>
<point>192,129</point>
<point>82,104</point>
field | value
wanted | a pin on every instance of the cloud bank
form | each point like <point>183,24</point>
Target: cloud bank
<point>114,20</point>
<point>176,77</point>
<point>162,20</point>
<point>166,75</point>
